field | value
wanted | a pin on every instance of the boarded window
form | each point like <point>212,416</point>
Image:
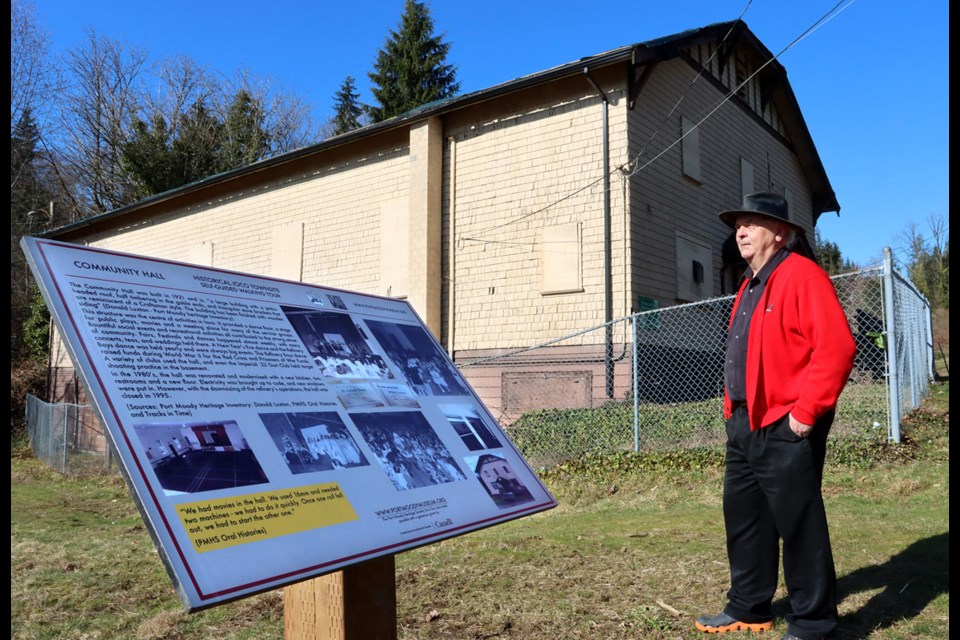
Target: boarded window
<point>690,148</point>
<point>286,251</point>
<point>560,259</point>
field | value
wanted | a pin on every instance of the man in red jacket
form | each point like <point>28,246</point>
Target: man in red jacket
<point>789,354</point>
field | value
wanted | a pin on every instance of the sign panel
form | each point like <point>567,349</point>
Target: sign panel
<point>273,431</point>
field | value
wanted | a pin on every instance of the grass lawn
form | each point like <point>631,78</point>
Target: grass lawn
<point>635,550</point>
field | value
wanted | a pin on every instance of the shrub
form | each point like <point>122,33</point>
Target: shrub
<point>26,376</point>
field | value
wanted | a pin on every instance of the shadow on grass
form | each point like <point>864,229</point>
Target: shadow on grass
<point>910,581</point>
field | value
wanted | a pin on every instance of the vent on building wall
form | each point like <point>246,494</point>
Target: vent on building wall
<point>697,272</point>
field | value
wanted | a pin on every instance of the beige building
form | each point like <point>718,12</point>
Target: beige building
<point>520,213</point>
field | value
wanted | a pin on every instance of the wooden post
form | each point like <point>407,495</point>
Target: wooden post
<point>358,603</point>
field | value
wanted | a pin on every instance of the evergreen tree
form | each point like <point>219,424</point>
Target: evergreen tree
<point>244,138</point>
<point>147,158</point>
<point>347,108</point>
<point>157,158</point>
<point>36,327</point>
<point>27,190</point>
<point>198,149</point>
<point>830,257</point>
<point>828,254</point>
<point>30,213</point>
<point>410,70</point>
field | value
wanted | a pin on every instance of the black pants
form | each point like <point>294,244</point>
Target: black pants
<point>771,492</point>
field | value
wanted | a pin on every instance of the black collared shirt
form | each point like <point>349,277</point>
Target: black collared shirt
<point>735,359</point>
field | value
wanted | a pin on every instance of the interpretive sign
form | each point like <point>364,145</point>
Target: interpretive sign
<point>273,431</point>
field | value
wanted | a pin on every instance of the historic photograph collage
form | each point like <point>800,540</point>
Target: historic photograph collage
<point>380,373</point>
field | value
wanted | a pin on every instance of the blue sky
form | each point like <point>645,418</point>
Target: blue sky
<point>871,81</point>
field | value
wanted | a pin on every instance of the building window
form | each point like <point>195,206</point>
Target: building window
<point>286,259</point>
<point>690,148</point>
<point>560,259</point>
<point>741,73</point>
<point>201,254</point>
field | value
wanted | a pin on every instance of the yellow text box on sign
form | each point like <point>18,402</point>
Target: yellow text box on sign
<point>216,524</point>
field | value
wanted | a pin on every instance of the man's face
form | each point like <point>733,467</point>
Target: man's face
<point>758,238</point>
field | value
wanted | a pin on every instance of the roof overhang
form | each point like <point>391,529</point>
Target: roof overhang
<point>640,56</point>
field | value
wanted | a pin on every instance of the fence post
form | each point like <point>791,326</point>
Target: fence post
<point>63,467</point>
<point>636,401</point>
<point>893,375</point>
<point>50,450</point>
<point>931,353</point>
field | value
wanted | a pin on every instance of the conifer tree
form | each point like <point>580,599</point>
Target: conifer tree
<point>245,139</point>
<point>30,213</point>
<point>411,68</point>
<point>346,108</point>
<point>159,158</point>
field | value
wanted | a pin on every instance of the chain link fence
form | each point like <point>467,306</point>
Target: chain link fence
<point>652,380</point>
<point>68,437</point>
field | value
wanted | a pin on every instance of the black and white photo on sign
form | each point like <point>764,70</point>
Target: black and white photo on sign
<point>193,457</point>
<point>426,369</point>
<point>336,301</point>
<point>336,345</point>
<point>313,441</point>
<point>408,449</point>
<point>499,480</point>
<point>466,421</point>
<point>357,395</point>
<point>373,394</point>
<point>397,394</point>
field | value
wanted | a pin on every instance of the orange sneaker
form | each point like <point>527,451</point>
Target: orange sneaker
<point>721,623</point>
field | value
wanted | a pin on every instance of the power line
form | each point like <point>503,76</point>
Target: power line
<point>823,19</point>
<point>656,131</point>
<point>826,17</point>
<point>692,82</point>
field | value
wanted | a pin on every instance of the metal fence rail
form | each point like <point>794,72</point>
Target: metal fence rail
<point>652,380</point>
<point>68,437</point>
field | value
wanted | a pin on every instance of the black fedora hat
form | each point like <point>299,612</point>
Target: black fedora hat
<point>762,203</point>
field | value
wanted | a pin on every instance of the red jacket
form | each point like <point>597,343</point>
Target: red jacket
<point>800,350</point>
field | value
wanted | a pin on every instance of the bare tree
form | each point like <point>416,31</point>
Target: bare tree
<point>181,83</point>
<point>32,78</point>
<point>285,117</point>
<point>98,106</point>
<point>938,270</point>
<point>33,88</point>
<point>32,91</point>
<point>192,124</point>
<point>927,258</point>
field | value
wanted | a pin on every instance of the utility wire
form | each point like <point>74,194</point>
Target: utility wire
<point>642,151</point>
<point>829,15</point>
<point>686,91</point>
<point>819,23</point>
